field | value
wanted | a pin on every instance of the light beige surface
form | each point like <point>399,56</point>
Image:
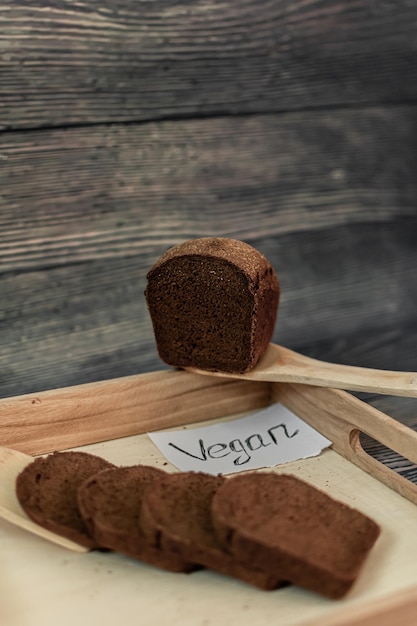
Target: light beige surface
<point>42,584</point>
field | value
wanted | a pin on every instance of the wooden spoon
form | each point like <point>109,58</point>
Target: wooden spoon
<point>280,364</point>
<point>12,463</point>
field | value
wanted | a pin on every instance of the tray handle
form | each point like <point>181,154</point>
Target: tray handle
<point>341,417</point>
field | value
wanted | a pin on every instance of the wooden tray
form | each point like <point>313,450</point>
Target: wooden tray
<point>111,418</point>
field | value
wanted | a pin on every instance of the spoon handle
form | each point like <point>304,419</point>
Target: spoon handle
<point>296,368</point>
<point>282,365</point>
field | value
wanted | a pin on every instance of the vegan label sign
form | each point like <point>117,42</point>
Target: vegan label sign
<point>263,439</point>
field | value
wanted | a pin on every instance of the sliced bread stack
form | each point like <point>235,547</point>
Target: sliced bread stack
<point>176,517</point>
<point>110,504</point>
<point>262,528</point>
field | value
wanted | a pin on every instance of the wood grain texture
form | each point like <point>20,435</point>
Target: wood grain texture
<point>120,407</point>
<point>105,192</point>
<point>65,62</point>
<point>282,365</point>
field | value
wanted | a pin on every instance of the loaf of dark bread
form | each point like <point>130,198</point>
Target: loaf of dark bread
<point>47,492</point>
<point>282,524</point>
<point>110,505</point>
<point>176,517</point>
<point>213,304</point>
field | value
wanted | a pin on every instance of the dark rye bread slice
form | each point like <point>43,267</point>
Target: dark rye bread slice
<point>283,524</point>
<point>176,516</point>
<point>47,492</point>
<point>213,303</point>
<point>110,505</point>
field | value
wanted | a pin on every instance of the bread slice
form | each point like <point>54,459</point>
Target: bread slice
<point>110,505</point>
<point>47,492</point>
<point>213,304</point>
<point>176,516</point>
<point>282,524</point>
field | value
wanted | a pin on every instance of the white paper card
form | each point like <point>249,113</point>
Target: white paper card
<point>263,439</point>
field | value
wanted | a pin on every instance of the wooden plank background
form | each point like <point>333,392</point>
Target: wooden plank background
<point>67,62</point>
<point>127,127</point>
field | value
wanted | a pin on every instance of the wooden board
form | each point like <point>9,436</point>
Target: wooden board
<point>64,587</point>
<point>109,192</point>
<point>66,63</point>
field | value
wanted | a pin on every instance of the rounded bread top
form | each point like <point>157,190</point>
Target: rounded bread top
<point>233,251</point>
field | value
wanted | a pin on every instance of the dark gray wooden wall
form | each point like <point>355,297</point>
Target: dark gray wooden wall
<point>128,126</point>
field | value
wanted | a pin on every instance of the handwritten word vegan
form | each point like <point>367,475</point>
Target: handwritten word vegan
<point>241,448</point>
